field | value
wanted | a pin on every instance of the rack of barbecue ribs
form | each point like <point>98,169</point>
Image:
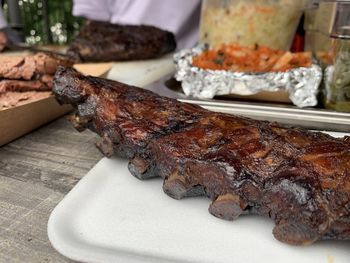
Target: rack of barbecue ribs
<point>102,41</point>
<point>298,178</point>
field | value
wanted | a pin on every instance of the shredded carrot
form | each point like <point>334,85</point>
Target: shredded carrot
<point>262,9</point>
<point>258,58</point>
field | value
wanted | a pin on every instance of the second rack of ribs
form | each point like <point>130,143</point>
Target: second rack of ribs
<point>300,179</point>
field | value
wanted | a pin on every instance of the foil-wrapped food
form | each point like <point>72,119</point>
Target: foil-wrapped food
<point>301,83</point>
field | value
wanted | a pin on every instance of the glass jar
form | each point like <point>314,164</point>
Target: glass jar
<point>337,81</point>
<point>317,23</point>
<point>248,22</point>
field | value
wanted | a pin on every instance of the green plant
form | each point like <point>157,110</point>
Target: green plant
<point>47,21</point>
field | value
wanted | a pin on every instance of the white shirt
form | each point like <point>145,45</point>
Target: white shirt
<point>178,16</point>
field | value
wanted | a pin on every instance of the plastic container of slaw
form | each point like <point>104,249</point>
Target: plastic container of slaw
<point>248,22</point>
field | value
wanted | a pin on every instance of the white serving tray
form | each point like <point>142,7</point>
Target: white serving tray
<point>141,72</point>
<point>110,216</point>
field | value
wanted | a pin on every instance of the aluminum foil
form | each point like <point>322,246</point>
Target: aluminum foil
<point>300,83</point>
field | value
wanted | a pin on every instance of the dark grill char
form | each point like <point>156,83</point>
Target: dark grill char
<point>102,41</point>
<point>300,179</point>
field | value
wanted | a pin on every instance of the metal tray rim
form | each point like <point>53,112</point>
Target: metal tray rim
<point>314,118</point>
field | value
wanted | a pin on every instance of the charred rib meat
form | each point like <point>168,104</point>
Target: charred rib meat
<point>102,41</point>
<point>300,179</point>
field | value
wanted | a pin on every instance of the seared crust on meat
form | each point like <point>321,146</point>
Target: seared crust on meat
<point>298,178</point>
<point>102,41</point>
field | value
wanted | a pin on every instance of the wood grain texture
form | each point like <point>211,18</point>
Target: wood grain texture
<point>36,171</point>
<point>29,117</point>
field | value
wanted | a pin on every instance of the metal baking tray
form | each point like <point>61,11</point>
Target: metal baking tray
<point>311,118</point>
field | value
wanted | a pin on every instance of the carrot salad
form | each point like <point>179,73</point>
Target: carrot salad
<point>233,57</point>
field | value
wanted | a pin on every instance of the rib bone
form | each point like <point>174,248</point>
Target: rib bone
<point>299,179</point>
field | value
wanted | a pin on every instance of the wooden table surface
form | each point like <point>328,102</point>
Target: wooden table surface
<point>36,172</point>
